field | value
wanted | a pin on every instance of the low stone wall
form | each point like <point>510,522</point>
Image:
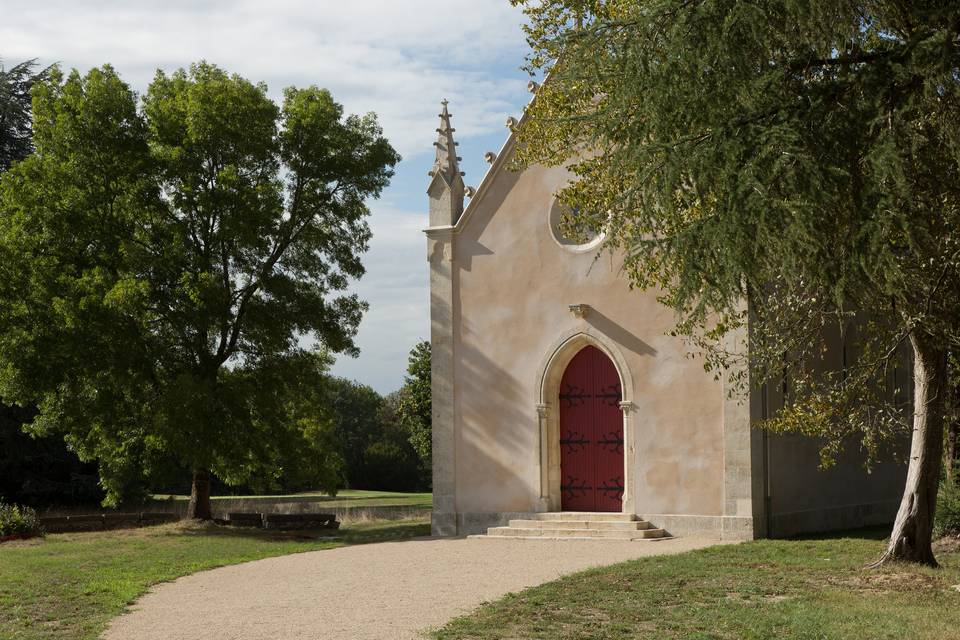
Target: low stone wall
<point>104,521</point>
<point>698,526</point>
<point>223,506</point>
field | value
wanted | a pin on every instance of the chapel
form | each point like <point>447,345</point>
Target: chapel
<point>560,399</point>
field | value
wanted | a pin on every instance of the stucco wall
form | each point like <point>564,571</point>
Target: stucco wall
<point>513,285</point>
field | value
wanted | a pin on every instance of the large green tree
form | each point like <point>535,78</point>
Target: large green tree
<point>32,470</point>
<point>802,155</point>
<point>164,262</point>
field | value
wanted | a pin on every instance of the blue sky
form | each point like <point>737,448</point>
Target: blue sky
<point>398,58</point>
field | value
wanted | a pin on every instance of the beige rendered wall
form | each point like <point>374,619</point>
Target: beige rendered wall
<point>513,285</point>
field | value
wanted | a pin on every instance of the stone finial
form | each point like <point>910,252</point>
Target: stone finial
<point>446,190</point>
<point>446,162</point>
<point>490,157</point>
<point>511,122</point>
<point>532,86</point>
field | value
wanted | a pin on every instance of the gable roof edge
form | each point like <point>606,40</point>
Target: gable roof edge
<point>495,169</point>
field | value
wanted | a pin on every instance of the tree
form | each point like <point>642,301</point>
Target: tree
<point>32,470</point>
<point>802,155</point>
<point>355,410</point>
<point>163,266</point>
<point>390,461</point>
<point>414,409</point>
<point>15,130</point>
<point>371,438</point>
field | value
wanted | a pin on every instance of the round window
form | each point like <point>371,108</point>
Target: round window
<point>566,231</point>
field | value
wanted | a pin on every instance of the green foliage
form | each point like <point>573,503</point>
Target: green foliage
<point>393,459</point>
<point>804,155</point>
<point>162,266</point>
<point>355,411</point>
<point>372,439</point>
<point>33,470</point>
<point>19,521</point>
<point>947,521</point>
<point>414,410</point>
<point>15,130</point>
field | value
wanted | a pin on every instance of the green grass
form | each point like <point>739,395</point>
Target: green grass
<point>346,498</point>
<point>68,586</point>
<point>789,589</point>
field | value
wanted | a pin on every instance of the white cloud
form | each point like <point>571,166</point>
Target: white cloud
<point>397,58</point>
<point>396,287</point>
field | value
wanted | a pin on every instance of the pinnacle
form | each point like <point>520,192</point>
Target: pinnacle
<point>446,161</point>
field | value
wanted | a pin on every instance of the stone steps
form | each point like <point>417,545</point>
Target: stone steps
<point>578,526</point>
<point>593,516</point>
<point>512,532</point>
<point>630,525</point>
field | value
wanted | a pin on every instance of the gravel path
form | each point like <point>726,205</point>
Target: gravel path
<point>381,591</point>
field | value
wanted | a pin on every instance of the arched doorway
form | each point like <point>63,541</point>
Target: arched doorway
<point>591,434</point>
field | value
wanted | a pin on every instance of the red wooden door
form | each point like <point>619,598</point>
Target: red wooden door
<point>591,434</point>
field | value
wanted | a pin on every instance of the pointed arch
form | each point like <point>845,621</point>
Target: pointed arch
<point>568,345</point>
<point>549,374</point>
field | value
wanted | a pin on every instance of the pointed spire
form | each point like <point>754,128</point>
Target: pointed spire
<point>446,164</point>
<point>446,188</point>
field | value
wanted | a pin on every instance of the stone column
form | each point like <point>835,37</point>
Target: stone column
<point>743,492</point>
<point>629,457</point>
<point>543,456</point>
<point>445,193</point>
<point>440,247</point>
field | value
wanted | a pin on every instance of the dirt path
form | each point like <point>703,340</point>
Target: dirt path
<point>383,591</point>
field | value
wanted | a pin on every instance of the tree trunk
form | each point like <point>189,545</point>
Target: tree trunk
<point>913,529</point>
<point>199,507</point>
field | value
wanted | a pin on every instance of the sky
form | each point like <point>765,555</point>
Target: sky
<point>397,58</point>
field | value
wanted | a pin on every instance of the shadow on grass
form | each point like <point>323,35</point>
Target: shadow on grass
<point>878,532</point>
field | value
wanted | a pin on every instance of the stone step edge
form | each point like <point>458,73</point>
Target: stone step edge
<point>596,516</point>
<point>576,533</point>
<point>603,525</point>
<point>484,536</point>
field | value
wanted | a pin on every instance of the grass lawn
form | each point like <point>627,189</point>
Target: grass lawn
<point>68,586</point>
<point>813,588</point>
<point>346,498</point>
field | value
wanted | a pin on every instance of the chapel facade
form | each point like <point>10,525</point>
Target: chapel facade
<point>555,387</point>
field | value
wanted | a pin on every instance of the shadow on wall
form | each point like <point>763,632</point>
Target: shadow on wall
<point>497,451</point>
<point>468,244</point>
<point>618,334</point>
